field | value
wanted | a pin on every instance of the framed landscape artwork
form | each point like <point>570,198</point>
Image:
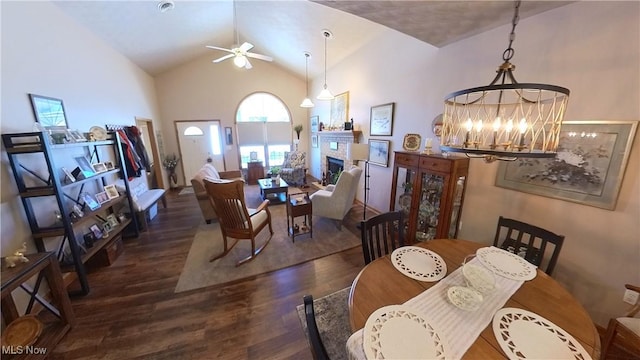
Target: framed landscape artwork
<point>588,168</point>
<point>382,120</point>
<point>315,123</point>
<point>379,152</point>
<point>340,109</point>
<point>49,112</point>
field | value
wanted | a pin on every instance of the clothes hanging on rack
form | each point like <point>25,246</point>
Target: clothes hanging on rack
<point>134,135</point>
<point>131,158</point>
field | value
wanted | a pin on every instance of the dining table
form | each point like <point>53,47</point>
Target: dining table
<point>380,284</point>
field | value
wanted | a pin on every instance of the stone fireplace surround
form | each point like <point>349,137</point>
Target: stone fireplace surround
<point>342,138</point>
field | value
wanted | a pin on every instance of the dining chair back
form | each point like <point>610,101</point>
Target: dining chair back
<point>624,331</point>
<point>236,220</point>
<point>528,241</point>
<point>318,350</point>
<point>381,234</point>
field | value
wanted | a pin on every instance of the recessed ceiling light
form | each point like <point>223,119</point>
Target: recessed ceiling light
<point>166,5</point>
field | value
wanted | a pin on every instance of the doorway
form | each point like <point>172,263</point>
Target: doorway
<point>200,141</point>
<point>149,140</point>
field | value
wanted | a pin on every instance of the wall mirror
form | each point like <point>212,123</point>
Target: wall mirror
<point>49,112</point>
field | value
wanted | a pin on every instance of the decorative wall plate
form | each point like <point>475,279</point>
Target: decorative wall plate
<point>464,298</point>
<point>506,264</point>
<point>436,125</point>
<point>397,332</point>
<point>419,263</point>
<point>411,142</point>
<point>526,335</point>
<point>98,133</point>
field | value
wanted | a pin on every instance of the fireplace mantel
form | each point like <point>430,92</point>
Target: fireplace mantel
<point>354,133</point>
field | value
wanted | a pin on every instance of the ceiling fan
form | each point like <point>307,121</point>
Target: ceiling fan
<point>240,54</point>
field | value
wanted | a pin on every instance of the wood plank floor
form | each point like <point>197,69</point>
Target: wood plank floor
<point>133,313</point>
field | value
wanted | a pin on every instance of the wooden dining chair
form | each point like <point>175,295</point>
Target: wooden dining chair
<point>236,220</point>
<point>624,331</point>
<point>528,241</point>
<point>318,350</point>
<point>381,234</point>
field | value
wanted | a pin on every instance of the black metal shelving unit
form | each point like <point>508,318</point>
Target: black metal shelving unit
<point>19,145</point>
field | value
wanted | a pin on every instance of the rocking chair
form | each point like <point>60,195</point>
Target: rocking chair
<point>236,220</point>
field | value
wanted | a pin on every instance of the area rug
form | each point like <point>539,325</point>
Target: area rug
<point>280,253</point>
<point>186,190</point>
<point>332,318</point>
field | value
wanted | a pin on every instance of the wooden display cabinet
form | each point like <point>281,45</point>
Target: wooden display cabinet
<point>429,190</point>
<point>255,171</point>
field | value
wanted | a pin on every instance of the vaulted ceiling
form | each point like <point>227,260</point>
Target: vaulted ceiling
<point>157,41</point>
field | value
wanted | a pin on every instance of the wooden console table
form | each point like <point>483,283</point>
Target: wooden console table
<point>255,171</point>
<point>42,265</point>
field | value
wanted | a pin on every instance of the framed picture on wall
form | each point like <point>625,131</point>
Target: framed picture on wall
<point>588,168</point>
<point>49,112</point>
<point>379,152</point>
<point>315,123</point>
<point>314,141</point>
<point>229,135</point>
<point>382,120</point>
<point>339,110</point>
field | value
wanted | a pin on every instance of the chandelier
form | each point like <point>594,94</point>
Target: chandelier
<point>325,94</point>
<point>505,120</point>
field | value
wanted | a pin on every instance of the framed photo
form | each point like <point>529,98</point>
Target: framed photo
<point>90,201</point>
<point>314,140</point>
<point>99,167</point>
<point>588,169</point>
<point>68,175</point>
<point>111,191</point>
<point>339,110</point>
<point>229,135</point>
<point>109,165</point>
<point>379,152</point>
<point>315,123</point>
<point>382,120</point>
<point>102,197</point>
<point>49,112</point>
<point>84,164</point>
<point>76,136</point>
<point>333,145</point>
<point>106,228</point>
<point>113,220</point>
<point>96,231</point>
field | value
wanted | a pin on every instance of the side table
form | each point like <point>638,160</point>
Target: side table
<point>42,265</point>
<point>255,171</point>
<point>299,204</point>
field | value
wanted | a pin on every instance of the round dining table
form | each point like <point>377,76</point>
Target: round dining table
<point>380,284</point>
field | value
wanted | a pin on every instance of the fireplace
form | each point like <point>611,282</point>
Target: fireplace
<point>334,167</point>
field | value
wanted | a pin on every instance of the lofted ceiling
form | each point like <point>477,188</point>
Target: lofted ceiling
<point>284,30</point>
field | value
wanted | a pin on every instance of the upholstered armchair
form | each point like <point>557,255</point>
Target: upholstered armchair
<point>293,169</point>
<point>335,201</point>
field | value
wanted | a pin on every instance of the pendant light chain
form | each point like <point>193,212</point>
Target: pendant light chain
<point>509,52</point>
<point>325,60</point>
<point>306,72</point>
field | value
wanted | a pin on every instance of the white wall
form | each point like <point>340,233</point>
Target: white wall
<point>201,90</point>
<point>593,48</point>
<point>45,52</point>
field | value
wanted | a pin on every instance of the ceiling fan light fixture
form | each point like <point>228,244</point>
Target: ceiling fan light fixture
<point>325,94</point>
<point>505,120</point>
<point>306,103</point>
<point>240,61</point>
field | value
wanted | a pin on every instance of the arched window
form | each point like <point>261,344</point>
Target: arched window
<point>263,125</point>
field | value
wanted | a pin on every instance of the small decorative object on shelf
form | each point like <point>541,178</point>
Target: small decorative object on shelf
<point>170,163</point>
<point>17,257</point>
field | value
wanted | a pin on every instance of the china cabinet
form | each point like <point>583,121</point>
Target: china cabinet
<point>429,190</point>
<point>66,213</point>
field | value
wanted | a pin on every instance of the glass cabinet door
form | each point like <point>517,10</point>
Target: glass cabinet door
<point>456,207</point>
<point>429,206</point>
<point>404,194</point>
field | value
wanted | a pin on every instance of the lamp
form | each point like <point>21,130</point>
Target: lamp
<point>325,94</point>
<point>505,121</point>
<point>306,103</point>
<point>239,60</point>
<point>357,152</point>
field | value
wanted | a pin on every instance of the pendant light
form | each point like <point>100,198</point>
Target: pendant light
<point>325,94</point>
<point>505,121</point>
<point>306,103</point>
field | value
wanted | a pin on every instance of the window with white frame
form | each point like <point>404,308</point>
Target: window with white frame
<point>263,125</point>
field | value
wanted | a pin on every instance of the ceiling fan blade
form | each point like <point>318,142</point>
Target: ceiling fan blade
<point>246,47</point>
<point>223,58</point>
<point>219,48</point>
<point>248,64</point>
<point>259,56</point>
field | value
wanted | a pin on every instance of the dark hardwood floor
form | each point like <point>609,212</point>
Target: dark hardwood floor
<point>132,311</point>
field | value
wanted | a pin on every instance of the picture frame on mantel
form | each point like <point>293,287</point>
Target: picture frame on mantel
<point>379,152</point>
<point>382,120</point>
<point>588,168</point>
<point>339,110</point>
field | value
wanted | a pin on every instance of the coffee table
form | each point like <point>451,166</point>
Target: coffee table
<point>274,191</point>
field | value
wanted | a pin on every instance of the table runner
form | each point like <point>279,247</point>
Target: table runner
<point>459,328</point>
